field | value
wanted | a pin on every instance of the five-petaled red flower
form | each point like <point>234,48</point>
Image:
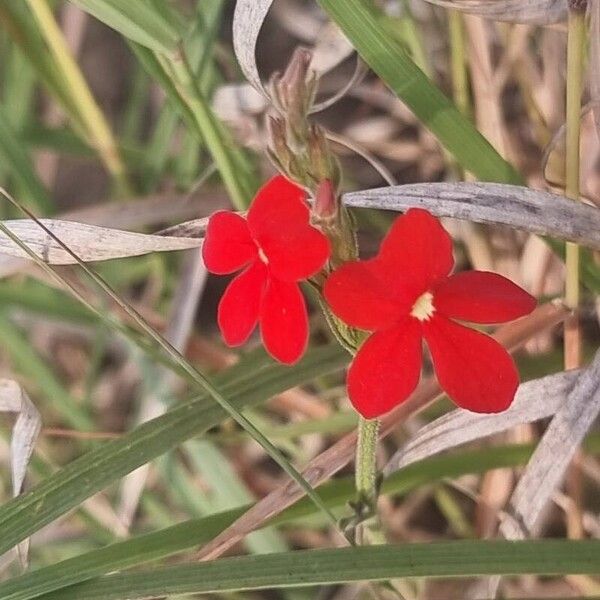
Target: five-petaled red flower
<point>406,294</point>
<point>277,247</point>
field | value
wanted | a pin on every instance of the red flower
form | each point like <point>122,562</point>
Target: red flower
<point>406,294</point>
<point>277,247</point>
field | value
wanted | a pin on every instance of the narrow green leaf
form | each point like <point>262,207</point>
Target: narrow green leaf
<point>16,19</point>
<point>95,470</point>
<point>189,534</point>
<point>366,29</point>
<point>139,21</point>
<point>342,565</point>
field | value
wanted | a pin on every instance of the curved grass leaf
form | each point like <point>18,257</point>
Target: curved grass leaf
<point>343,565</point>
<point>186,535</point>
<point>367,31</point>
<point>246,385</point>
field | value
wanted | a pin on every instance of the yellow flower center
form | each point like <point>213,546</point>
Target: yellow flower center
<point>423,308</point>
<point>262,256</point>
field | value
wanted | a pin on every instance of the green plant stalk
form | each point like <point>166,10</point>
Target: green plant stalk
<point>366,462</point>
<point>97,129</point>
<point>458,62</point>
<point>185,82</point>
<point>183,536</point>
<point>575,67</point>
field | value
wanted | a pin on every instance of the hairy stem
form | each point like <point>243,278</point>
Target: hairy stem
<point>366,463</point>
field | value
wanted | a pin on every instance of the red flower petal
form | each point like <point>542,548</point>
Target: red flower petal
<point>284,321</point>
<point>359,294</point>
<point>482,297</point>
<point>279,222</point>
<point>228,245</point>
<point>417,250</point>
<point>240,304</point>
<point>473,369</point>
<point>386,369</point>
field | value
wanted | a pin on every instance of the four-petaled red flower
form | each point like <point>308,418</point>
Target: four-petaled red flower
<point>406,294</point>
<point>277,247</point>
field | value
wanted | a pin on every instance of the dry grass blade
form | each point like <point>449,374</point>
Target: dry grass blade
<point>341,453</point>
<point>574,417</point>
<point>89,242</point>
<point>135,214</point>
<point>360,71</point>
<point>461,426</point>
<point>533,12</point>
<point>14,399</point>
<point>491,203</point>
<point>248,19</point>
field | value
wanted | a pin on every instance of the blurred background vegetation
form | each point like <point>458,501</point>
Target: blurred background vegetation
<point>147,123</point>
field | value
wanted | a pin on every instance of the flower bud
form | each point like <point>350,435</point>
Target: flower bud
<point>294,91</point>
<point>322,163</point>
<point>325,205</point>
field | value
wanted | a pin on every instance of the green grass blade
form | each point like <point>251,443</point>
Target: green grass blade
<point>342,565</point>
<point>199,46</point>
<point>16,19</point>
<point>95,470</point>
<point>31,296</point>
<point>19,89</point>
<point>189,534</point>
<point>228,491</point>
<point>139,21</point>
<point>366,29</point>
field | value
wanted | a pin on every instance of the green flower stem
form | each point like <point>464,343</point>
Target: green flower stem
<point>575,67</point>
<point>366,464</point>
<point>458,62</point>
